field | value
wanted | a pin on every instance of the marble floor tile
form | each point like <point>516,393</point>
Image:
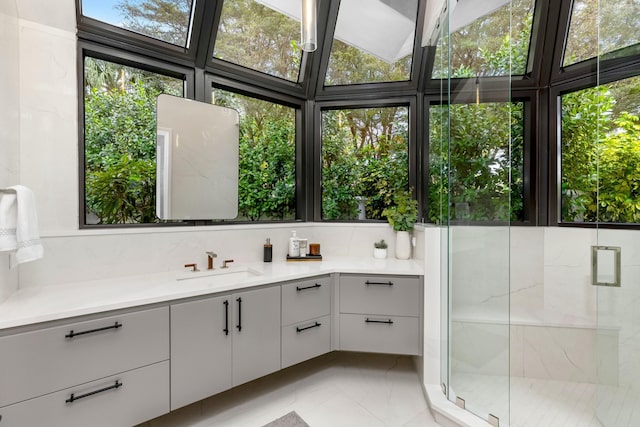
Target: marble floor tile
<point>534,402</point>
<point>338,389</point>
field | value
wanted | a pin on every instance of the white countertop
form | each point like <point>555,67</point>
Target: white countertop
<point>43,304</point>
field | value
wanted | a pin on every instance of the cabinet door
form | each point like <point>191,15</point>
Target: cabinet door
<point>256,339</point>
<point>46,360</point>
<point>121,400</point>
<point>201,337</point>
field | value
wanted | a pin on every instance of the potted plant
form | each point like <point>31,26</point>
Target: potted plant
<point>380,249</point>
<point>402,216</point>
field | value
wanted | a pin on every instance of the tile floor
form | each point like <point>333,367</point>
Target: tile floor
<point>548,403</point>
<point>335,390</point>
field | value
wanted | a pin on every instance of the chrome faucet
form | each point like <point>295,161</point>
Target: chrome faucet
<point>210,257</point>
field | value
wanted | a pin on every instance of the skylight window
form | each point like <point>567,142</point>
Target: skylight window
<point>373,43</point>
<point>489,40</point>
<point>260,36</point>
<point>168,20</point>
<point>618,30</point>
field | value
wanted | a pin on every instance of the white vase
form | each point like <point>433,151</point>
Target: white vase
<point>403,245</point>
<point>379,253</point>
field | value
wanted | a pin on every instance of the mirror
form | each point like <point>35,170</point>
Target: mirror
<point>197,160</point>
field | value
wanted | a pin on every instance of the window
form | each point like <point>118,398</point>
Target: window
<point>483,162</point>
<point>619,28</point>
<point>600,156</point>
<point>496,43</point>
<point>166,20</point>
<point>260,36</point>
<point>120,141</point>
<point>364,161</point>
<point>267,172</point>
<point>373,43</point>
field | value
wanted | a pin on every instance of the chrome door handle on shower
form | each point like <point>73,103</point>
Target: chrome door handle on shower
<point>599,277</point>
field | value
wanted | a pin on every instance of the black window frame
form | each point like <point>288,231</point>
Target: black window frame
<point>414,164</point>
<point>531,156</point>
<point>90,49</point>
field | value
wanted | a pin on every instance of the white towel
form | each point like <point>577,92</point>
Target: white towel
<point>21,211</point>
<point>8,218</point>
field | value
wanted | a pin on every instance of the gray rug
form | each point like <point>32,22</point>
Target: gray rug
<point>292,419</point>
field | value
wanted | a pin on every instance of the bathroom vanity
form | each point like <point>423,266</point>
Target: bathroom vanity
<point>122,351</point>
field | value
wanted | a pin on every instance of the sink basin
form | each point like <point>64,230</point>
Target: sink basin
<point>221,275</point>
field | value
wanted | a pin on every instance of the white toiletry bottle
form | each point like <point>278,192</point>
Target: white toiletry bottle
<point>294,246</point>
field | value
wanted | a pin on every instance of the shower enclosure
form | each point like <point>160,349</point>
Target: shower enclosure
<point>539,303</point>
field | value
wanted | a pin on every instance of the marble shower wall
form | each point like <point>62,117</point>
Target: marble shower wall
<point>9,120</point>
<point>560,326</point>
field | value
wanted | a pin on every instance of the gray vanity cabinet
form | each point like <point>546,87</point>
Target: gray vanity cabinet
<point>200,349</point>
<point>380,314</point>
<point>104,371</point>
<point>221,342</point>
<point>306,319</point>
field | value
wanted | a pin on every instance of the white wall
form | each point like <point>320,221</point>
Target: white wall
<point>9,120</point>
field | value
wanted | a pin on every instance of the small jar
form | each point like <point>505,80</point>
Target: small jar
<point>303,245</point>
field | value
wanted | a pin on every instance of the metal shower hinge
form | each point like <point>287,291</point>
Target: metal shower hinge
<point>494,421</point>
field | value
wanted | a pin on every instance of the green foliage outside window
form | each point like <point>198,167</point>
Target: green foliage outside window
<point>364,160</point>
<point>266,181</point>
<point>600,149</point>
<point>120,134</point>
<point>477,171</point>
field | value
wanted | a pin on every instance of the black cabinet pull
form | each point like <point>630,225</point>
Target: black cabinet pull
<point>388,321</point>
<point>315,325</point>
<point>239,326</point>
<point>73,397</point>
<point>298,288</point>
<point>72,334</point>
<point>368,282</point>
<point>226,317</point>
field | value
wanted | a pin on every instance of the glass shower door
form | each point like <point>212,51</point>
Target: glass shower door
<point>616,269</point>
<point>482,174</point>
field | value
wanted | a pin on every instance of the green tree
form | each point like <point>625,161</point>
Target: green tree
<point>119,106</point>
<point>364,155</point>
<point>601,155</point>
<point>255,36</point>
<point>479,172</point>
<point>166,20</point>
<point>494,45</point>
<point>266,181</point>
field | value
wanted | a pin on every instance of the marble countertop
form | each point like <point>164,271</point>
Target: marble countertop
<point>47,303</point>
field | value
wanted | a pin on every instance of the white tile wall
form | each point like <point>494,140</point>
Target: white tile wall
<point>9,120</point>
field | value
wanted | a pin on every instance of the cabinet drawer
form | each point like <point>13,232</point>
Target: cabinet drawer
<point>306,340</point>
<point>391,295</point>
<point>142,394</point>
<point>306,299</point>
<point>47,360</point>
<point>380,334</point>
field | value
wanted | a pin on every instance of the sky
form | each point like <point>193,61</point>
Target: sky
<point>103,10</point>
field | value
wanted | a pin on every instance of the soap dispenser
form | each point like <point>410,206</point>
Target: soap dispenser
<point>294,245</point>
<point>268,251</point>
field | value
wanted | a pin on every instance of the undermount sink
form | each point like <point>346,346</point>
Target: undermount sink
<point>221,275</point>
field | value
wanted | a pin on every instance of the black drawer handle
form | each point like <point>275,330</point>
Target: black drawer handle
<point>315,325</point>
<point>388,321</point>
<point>73,397</point>
<point>72,334</point>
<point>226,317</point>
<point>239,325</point>
<point>317,285</point>
<point>379,283</point>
